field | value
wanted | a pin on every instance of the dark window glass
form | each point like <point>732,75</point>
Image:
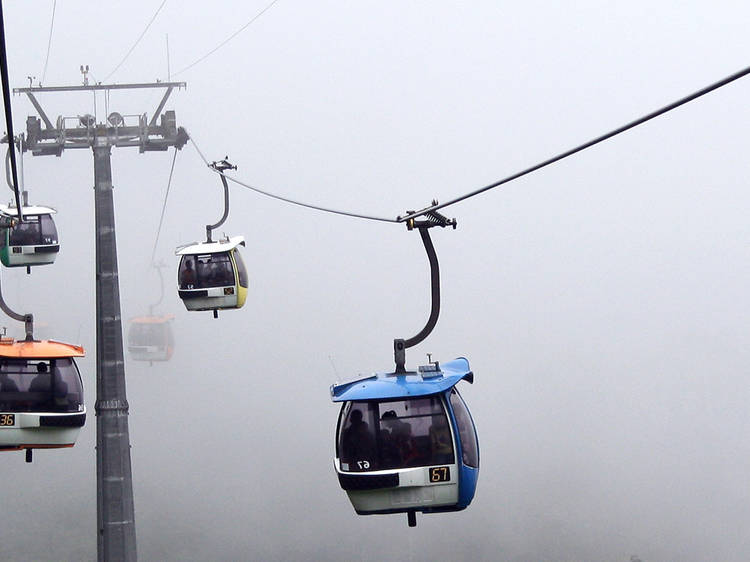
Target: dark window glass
<point>26,233</point>
<point>394,434</point>
<point>201,271</point>
<point>49,232</point>
<point>241,271</point>
<point>40,385</point>
<point>186,275</point>
<point>469,443</point>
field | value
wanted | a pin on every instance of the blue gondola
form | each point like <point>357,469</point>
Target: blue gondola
<point>406,442</point>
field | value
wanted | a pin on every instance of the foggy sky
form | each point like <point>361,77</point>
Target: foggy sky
<point>601,302</point>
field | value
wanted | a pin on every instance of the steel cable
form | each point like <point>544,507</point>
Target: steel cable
<point>286,199</point>
<point>227,40</point>
<point>597,140</point>
<point>164,207</point>
<point>49,42</point>
<point>413,214</point>
<point>8,111</point>
<point>136,41</point>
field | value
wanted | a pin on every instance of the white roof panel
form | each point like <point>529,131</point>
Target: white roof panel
<point>211,247</point>
<point>12,211</point>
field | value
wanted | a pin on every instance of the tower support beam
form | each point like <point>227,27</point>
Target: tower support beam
<point>115,505</point>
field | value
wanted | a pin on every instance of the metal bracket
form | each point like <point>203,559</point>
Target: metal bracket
<point>160,106</point>
<point>399,354</point>
<point>431,218</point>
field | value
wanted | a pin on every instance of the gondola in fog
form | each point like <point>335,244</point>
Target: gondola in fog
<point>32,241</point>
<point>41,395</point>
<point>212,275</point>
<point>150,338</point>
<point>406,442</point>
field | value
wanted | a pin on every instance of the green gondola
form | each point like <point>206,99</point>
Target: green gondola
<point>32,241</point>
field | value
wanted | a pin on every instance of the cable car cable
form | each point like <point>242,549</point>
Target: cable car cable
<point>164,207</point>
<point>227,40</point>
<point>137,40</point>
<point>49,42</point>
<point>286,199</point>
<point>8,112</point>
<point>597,140</point>
<point>437,206</point>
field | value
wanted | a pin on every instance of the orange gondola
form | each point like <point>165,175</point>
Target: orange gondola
<point>41,395</point>
<point>150,338</point>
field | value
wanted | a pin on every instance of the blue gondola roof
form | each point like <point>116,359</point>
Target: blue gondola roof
<point>383,386</point>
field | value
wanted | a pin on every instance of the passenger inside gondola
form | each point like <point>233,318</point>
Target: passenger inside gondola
<point>187,274</point>
<point>41,382</point>
<point>8,389</point>
<point>206,270</point>
<point>7,384</point>
<point>390,454</point>
<point>409,433</point>
<point>35,230</point>
<point>42,386</point>
<point>357,443</point>
<point>25,234</point>
<point>52,390</point>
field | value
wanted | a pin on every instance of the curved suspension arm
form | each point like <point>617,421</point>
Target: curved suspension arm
<point>435,290</point>
<point>221,166</point>
<point>27,319</point>
<point>399,345</point>
<point>8,172</point>
<point>161,288</point>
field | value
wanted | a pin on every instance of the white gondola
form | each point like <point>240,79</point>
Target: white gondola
<point>31,242</point>
<point>212,275</point>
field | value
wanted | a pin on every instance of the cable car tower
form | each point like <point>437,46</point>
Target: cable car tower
<point>115,511</point>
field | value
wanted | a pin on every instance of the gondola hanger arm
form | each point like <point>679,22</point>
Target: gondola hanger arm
<point>221,166</point>
<point>429,220</point>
